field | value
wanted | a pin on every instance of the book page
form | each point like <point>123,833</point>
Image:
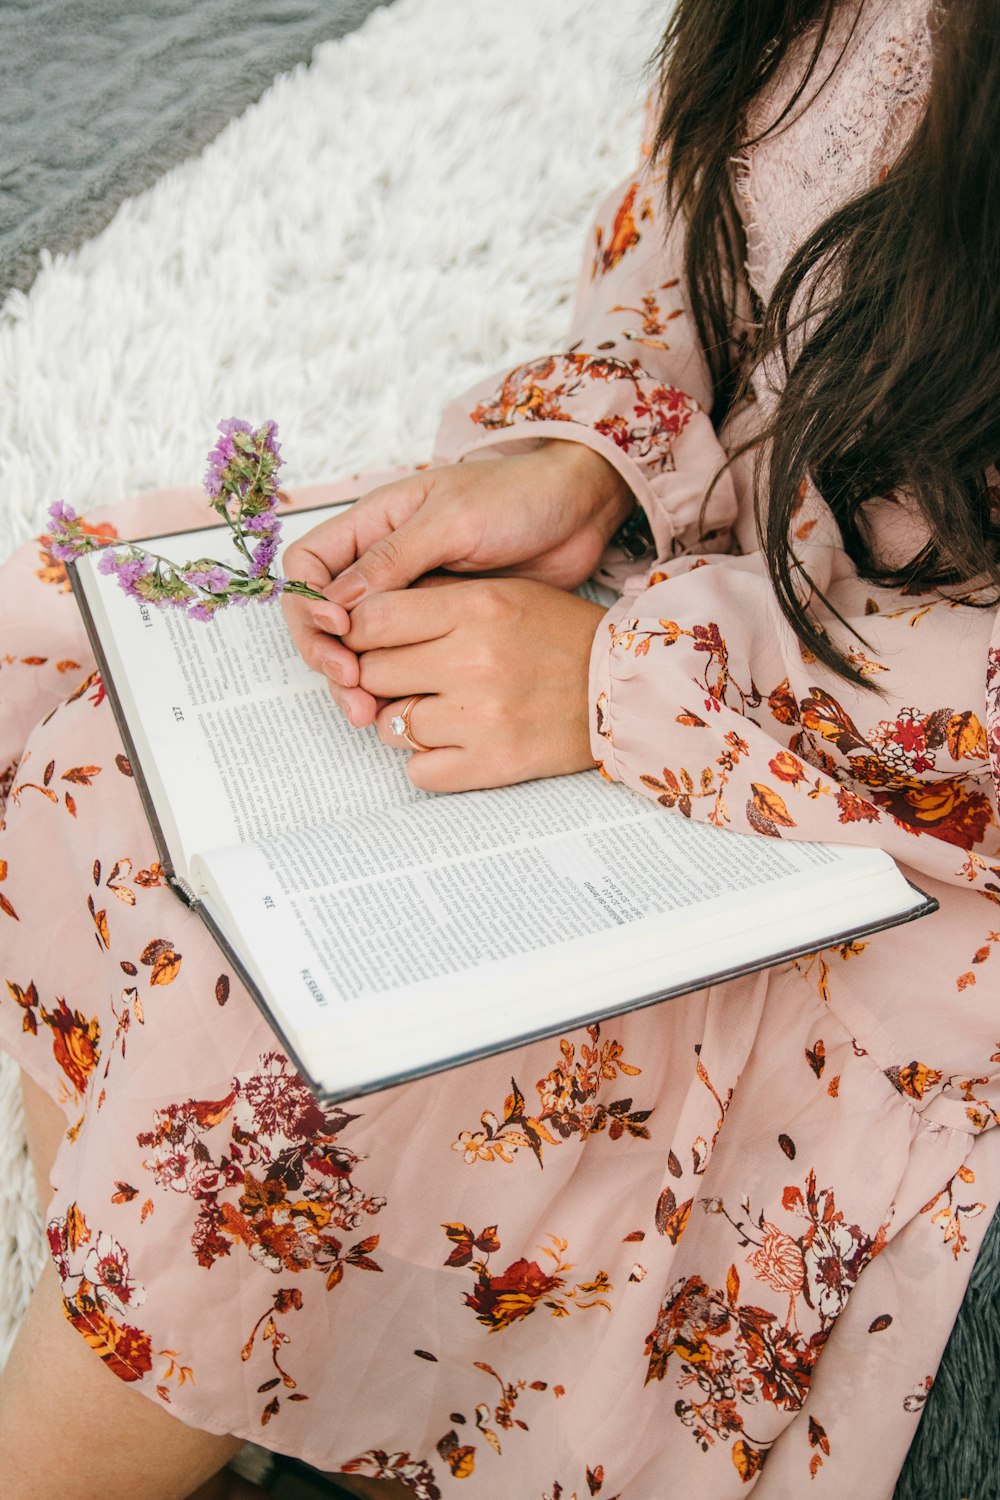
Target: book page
<point>237,738</point>
<point>486,881</point>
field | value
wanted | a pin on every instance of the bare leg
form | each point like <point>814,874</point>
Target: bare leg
<point>110,1439</point>
<point>100,1437</point>
<point>45,1125</point>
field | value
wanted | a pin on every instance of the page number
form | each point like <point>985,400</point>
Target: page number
<point>269,903</point>
<point>178,714</point>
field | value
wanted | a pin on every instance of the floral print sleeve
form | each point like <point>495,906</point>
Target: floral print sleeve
<point>629,381</point>
<point>703,698</point>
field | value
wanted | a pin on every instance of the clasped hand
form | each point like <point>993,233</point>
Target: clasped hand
<point>501,661</point>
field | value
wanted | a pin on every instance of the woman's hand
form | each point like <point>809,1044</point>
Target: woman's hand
<point>504,666</point>
<point>545,515</point>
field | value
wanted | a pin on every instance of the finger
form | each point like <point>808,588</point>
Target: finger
<point>300,562</point>
<point>449,769</point>
<point>326,654</point>
<point>402,553</point>
<point>358,707</point>
<point>428,720</point>
<point>401,671</point>
<point>318,557</point>
<point>403,618</point>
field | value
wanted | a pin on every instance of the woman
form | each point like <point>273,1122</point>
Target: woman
<point>746,1220</point>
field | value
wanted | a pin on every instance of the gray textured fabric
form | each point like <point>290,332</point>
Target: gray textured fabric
<point>99,97</point>
<point>956,1453</point>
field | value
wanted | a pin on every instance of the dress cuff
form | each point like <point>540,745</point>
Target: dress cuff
<point>606,668</point>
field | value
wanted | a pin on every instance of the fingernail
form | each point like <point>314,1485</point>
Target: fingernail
<point>351,719</point>
<point>332,617</point>
<point>347,589</point>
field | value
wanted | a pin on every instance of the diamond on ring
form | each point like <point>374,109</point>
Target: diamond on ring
<point>398,725</point>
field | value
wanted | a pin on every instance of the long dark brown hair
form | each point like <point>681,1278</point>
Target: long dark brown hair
<point>897,385</point>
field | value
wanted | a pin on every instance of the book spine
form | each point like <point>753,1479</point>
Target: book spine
<point>186,892</point>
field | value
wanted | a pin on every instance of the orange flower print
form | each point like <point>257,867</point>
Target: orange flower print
<point>624,235</point>
<point>416,1474</point>
<point>288,1299</point>
<point>568,1105</point>
<point>731,1355</point>
<point>74,1042</point>
<point>650,415</point>
<point>499,1301</point>
<point>267,1169</point>
<point>654,322</point>
<point>913,1078</point>
<point>778,1262</point>
<point>950,1214</point>
<point>893,761</point>
<point>127,1351</point>
<point>5,907</point>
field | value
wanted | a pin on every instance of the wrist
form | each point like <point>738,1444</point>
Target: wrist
<point>601,486</point>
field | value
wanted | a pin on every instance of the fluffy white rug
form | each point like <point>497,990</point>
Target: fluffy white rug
<point>384,227</point>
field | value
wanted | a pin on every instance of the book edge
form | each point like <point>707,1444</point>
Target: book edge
<point>925,907</point>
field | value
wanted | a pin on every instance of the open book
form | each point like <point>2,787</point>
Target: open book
<point>388,932</point>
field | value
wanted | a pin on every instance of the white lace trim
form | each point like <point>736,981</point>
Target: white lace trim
<point>835,146</point>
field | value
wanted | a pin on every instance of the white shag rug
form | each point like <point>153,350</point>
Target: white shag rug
<point>380,230</point>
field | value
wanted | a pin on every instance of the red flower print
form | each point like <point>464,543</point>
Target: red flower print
<point>499,1301</point>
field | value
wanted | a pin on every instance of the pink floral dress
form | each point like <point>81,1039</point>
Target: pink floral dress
<point>712,1246</point>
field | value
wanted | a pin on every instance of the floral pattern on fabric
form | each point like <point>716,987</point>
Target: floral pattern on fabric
<point>736,1358</point>
<point>567,1106</point>
<point>501,1299</point>
<point>645,419</point>
<point>100,1296</point>
<point>613,243</point>
<point>649,1312</point>
<point>270,1140</point>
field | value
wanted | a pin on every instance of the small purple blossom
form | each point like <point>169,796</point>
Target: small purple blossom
<point>241,481</point>
<point>67,538</point>
<point>128,567</point>
<point>267,522</point>
<point>215,578</point>
<point>222,456</point>
<point>263,556</point>
<point>241,478</point>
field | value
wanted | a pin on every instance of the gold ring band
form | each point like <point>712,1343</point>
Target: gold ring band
<point>400,723</point>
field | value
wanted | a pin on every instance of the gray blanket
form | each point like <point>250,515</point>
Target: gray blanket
<point>99,97</point>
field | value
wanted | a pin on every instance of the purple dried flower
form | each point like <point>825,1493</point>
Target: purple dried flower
<point>267,521</point>
<point>128,567</point>
<point>242,482</point>
<point>67,538</point>
<point>263,556</point>
<point>225,455</point>
<point>215,579</point>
